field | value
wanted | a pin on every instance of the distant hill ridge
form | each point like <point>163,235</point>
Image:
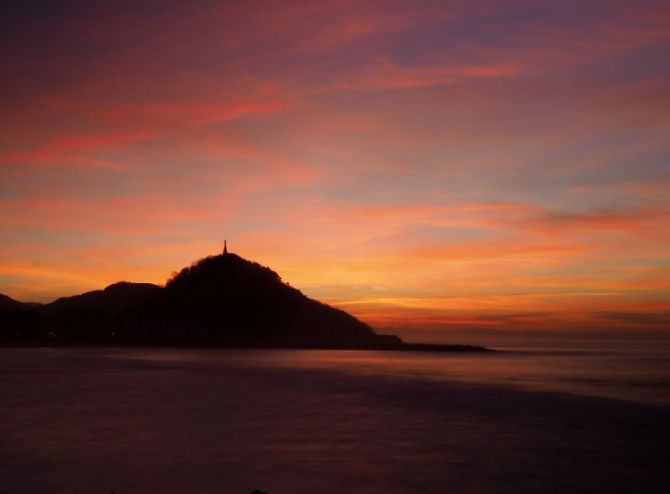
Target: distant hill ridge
<point>118,296</point>
<point>221,300</point>
<point>9,304</point>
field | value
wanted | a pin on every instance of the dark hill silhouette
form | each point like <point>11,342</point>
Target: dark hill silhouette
<point>222,300</point>
<point>116,297</point>
<point>9,304</point>
<point>232,300</point>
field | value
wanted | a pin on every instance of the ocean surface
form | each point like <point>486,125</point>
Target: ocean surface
<point>532,418</point>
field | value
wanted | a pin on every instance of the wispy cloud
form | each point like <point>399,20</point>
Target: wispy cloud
<point>471,164</point>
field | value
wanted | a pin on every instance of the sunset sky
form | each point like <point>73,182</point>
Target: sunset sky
<point>426,165</point>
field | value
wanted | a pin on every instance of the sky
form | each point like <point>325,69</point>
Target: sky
<point>429,166</point>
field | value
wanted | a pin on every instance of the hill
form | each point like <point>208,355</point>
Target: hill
<point>9,304</point>
<point>221,300</point>
<point>116,297</point>
<point>234,301</point>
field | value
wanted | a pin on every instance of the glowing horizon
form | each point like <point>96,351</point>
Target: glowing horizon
<point>419,164</point>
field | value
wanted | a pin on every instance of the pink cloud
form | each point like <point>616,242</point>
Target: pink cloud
<point>71,151</point>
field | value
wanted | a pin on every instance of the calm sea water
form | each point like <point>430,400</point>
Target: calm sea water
<point>559,417</point>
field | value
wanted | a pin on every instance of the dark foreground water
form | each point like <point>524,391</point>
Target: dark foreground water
<point>563,419</point>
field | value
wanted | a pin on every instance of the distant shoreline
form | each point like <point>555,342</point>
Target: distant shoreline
<point>405,347</point>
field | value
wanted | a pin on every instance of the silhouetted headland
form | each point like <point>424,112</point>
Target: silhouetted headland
<point>222,300</point>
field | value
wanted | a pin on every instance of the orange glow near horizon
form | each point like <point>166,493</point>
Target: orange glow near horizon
<point>425,166</point>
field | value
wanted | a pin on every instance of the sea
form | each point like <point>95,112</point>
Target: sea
<point>532,417</point>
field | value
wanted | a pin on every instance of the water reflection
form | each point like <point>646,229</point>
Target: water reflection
<point>169,421</point>
<point>627,371</point>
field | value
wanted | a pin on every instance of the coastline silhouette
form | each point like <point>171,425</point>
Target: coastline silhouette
<point>222,300</point>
